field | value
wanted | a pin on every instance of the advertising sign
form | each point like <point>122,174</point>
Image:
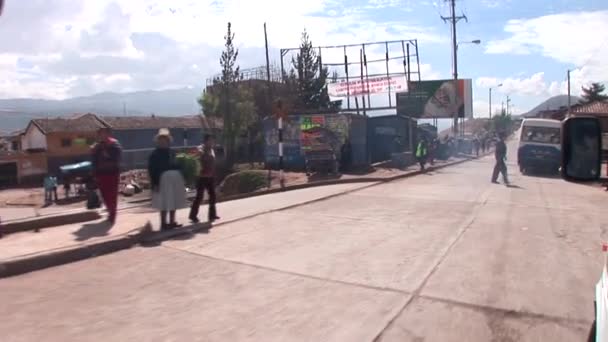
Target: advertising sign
<point>375,85</point>
<point>436,99</point>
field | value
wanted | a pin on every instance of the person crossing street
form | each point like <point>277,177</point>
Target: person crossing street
<point>500,166</point>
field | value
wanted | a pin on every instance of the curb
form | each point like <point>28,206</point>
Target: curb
<point>48,221</point>
<point>66,255</point>
<point>46,259</point>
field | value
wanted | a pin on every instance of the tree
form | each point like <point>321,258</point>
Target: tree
<point>308,77</point>
<point>230,99</point>
<point>501,123</point>
<point>595,92</point>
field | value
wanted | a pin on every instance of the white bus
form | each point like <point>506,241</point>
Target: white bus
<point>539,145</point>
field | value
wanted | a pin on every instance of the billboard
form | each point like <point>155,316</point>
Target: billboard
<point>436,99</point>
<point>375,85</point>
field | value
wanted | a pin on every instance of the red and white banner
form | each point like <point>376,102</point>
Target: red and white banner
<point>373,85</point>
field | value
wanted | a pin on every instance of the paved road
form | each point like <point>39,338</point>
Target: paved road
<point>440,257</point>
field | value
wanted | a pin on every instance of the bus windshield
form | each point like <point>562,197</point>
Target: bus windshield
<point>543,135</point>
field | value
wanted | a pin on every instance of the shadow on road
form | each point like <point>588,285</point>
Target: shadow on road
<point>515,186</point>
<point>317,177</point>
<point>542,174</point>
<point>91,230</point>
<point>155,238</point>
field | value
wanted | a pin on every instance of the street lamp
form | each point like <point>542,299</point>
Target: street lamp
<point>490,100</point>
<point>476,42</point>
<point>455,66</point>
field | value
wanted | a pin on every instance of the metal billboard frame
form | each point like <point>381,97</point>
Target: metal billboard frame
<point>407,55</point>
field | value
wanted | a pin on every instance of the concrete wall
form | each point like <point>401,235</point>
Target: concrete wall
<point>80,143</point>
<point>30,167</point>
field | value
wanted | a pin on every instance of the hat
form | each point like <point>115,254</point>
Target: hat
<point>163,132</point>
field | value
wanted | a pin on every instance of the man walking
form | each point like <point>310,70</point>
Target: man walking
<point>421,153</point>
<point>206,181</point>
<point>105,157</point>
<point>500,154</point>
<point>476,146</point>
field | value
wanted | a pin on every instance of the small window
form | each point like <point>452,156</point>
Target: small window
<point>15,146</point>
<point>66,142</point>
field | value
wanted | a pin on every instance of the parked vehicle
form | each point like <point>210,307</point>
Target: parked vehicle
<point>539,145</point>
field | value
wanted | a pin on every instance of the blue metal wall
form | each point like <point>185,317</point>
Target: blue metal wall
<point>138,143</point>
<point>144,138</point>
<point>388,134</point>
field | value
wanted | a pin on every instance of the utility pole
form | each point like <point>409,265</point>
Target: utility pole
<point>568,91</point>
<point>508,101</point>
<point>490,104</point>
<point>453,19</point>
<point>269,93</point>
<point>267,63</point>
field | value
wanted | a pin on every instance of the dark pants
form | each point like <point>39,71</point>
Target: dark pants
<point>500,167</point>
<point>51,195</point>
<point>163,219</point>
<point>108,186</point>
<point>422,162</point>
<point>204,183</point>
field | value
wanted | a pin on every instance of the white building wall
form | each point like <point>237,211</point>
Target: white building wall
<point>33,139</point>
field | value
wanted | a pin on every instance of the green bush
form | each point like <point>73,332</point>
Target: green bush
<point>244,182</point>
<point>190,167</point>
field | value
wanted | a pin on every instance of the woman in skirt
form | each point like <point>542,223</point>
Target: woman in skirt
<point>168,189</point>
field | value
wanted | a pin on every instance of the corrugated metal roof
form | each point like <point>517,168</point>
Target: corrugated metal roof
<point>78,122</point>
<point>591,108</point>
<point>154,122</point>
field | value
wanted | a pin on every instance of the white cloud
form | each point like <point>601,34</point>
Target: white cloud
<point>578,39</point>
<point>76,47</point>
<point>481,107</point>
<point>534,85</point>
<point>495,3</point>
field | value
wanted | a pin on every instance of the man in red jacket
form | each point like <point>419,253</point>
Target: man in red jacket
<point>105,156</point>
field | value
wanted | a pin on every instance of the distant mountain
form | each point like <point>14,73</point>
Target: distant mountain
<point>553,103</point>
<point>16,113</point>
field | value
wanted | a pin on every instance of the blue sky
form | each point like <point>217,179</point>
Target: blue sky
<point>64,48</point>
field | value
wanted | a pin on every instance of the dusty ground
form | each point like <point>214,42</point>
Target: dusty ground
<point>443,256</point>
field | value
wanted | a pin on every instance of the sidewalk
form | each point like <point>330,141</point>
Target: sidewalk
<point>21,246</point>
<point>28,251</point>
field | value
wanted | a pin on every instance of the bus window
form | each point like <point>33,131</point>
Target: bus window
<point>543,135</point>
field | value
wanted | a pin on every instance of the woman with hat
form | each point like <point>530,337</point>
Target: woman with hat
<point>168,189</point>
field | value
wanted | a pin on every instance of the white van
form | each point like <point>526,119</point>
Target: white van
<point>539,145</point>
